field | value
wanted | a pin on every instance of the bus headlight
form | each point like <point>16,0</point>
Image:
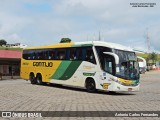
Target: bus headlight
<point>116,80</point>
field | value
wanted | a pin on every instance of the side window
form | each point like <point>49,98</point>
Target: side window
<point>100,50</point>
<point>39,54</point>
<point>25,54</point>
<point>61,54</point>
<point>30,54</point>
<point>72,55</point>
<point>33,55</point>
<point>52,54</point>
<point>36,54</point>
<point>89,55</point>
<point>82,53</point>
<point>107,63</point>
<point>44,54</point>
<point>79,53</point>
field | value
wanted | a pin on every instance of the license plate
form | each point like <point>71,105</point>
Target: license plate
<point>129,89</point>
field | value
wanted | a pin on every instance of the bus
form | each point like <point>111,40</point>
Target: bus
<point>142,65</point>
<point>93,65</point>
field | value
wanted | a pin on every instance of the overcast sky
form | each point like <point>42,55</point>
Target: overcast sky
<point>42,22</point>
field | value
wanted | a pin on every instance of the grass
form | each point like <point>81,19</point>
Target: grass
<point>7,48</point>
<point>146,54</point>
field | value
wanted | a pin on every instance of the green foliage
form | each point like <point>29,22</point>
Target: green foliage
<point>65,40</point>
<point>153,57</point>
<point>2,42</point>
<point>150,57</point>
<point>7,48</point>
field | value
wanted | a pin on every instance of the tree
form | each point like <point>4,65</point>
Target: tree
<point>153,56</point>
<point>65,40</point>
<point>2,42</point>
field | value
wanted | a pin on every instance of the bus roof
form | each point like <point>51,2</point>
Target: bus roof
<point>107,44</point>
<point>86,43</point>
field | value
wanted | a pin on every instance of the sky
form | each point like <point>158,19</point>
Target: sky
<point>43,22</point>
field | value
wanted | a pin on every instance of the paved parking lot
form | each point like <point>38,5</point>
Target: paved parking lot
<point>20,95</point>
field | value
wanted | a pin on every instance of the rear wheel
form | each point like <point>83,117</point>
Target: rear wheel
<point>39,79</point>
<point>32,79</point>
<point>90,85</point>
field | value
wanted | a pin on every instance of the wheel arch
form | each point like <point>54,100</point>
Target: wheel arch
<point>39,74</point>
<point>90,78</point>
<point>90,85</point>
<point>31,73</point>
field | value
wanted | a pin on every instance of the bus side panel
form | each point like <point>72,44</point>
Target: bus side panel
<point>47,69</point>
<point>77,73</point>
<point>25,66</point>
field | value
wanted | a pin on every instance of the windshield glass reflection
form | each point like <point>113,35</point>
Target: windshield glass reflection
<point>128,65</point>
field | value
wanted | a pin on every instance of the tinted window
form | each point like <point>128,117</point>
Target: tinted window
<point>39,54</point>
<point>51,54</point>
<point>60,54</point>
<point>100,50</point>
<point>108,63</point>
<point>30,55</point>
<point>78,53</point>
<point>89,56</point>
<point>72,54</point>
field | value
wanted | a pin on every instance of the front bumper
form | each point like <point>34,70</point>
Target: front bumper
<point>118,87</point>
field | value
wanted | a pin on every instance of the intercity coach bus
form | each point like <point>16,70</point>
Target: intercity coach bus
<point>92,65</point>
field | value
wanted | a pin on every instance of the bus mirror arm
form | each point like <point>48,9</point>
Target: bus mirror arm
<point>114,55</point>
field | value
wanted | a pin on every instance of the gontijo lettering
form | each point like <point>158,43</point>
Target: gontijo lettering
<point>43,64</point>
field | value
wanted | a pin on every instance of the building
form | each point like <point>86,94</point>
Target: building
<point>10,62</point>
<point>16,45</point>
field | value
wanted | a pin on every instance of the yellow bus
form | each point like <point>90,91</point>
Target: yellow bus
<point>92,65</point>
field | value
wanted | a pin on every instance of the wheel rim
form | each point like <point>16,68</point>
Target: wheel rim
<point>39,80</point>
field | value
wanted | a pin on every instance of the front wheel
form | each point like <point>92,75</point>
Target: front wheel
<point>90,86</point>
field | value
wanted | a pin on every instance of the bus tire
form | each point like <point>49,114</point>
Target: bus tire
<point>39,79</point>
<point>32,78</point>
<point>90,85</point>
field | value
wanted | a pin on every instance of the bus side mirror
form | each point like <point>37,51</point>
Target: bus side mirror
<point>114,55</point>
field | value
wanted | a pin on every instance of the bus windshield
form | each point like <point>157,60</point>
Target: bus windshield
<point>128,65</point>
